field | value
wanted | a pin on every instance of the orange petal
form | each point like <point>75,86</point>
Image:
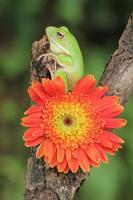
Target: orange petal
<point>48,148</point>
<point>31,122</point>
<point>28,134</point>
<point>112,137</point>
<point>114,122</point>
<point>116,146</point>
<point>68,154</point>
<point>61,166</point>
<point>34,142</point>
<point>102,153</point>
<point>40,152</point>
<point>60,154</point>
<point>54,162</point>
<point>73,164</point>
<point>54,152</point>
<point>85,85</point>
<point>32,125</point>
<point>37,87</point>
<point>75,153</point>
<point>35,97</point>
<point>105,102</point>
<point>112,110</point>
<point>109,151</point>
<point>93,154</point>
<point>33,133</point>
<point>32,117</point>
<point>105,142</point>
<point>32,109</point>
<point>66,169</point>
<point>54,87</point>
<point>83,160</point>
<point>94,164</point>
<point>51,157</point>
<point>98,93</point>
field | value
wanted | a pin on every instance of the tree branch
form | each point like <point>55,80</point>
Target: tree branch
<point>44,183</point>
<point>118,74</point>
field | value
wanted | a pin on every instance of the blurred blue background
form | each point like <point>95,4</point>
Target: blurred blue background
<point>97,26</point>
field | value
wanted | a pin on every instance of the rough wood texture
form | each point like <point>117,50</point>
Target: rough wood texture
<point>43,183</point>
<point>118,74</point>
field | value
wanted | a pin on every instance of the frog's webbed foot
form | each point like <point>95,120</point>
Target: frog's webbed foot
<point>46,58</point>
<point>51,70</point>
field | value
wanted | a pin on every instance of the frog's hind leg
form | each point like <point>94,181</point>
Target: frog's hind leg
<point>61,73</point>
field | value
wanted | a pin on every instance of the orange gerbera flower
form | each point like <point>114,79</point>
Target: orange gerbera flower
<point>72,130</point>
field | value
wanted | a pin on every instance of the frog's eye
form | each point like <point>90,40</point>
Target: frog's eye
<point>60,35</point>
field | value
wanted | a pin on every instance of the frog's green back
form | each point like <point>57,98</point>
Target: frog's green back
<point>78,67</point>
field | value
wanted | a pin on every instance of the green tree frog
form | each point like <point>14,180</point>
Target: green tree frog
<point>66,51</point>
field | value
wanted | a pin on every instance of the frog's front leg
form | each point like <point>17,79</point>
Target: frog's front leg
<point>61,59</point>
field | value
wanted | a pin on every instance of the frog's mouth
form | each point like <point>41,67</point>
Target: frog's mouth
<point>57,45</point>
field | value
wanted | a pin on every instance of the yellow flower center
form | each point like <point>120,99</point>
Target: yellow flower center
<point>71,121</point>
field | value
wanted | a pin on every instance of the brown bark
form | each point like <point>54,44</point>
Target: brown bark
<point>118,74</point>
<point>44,183</point>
